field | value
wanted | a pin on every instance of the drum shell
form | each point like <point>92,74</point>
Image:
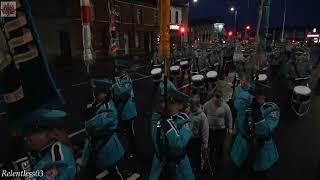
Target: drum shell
<point>198,83</point>
<point>298,98</point>
<point>157,77</point>
<point>185,66</point>
<point>175,72</point>
<point>212,79</point>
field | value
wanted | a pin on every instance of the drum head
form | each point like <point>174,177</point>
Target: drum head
<point>174,68</point>
<point>156,71</point>
<point>184,63</point>
<point>262,77</point>
<point>302,90</point>
<point>212,74</point>
<point>197,77</point>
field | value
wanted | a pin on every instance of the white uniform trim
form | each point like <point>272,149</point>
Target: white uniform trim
<point>262,121</point>
<point>53,152</point>
<point>173,127</point>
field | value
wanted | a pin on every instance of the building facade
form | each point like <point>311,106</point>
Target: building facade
<point>60,28</point>
<point>179,22</point>
<point>203,30</point>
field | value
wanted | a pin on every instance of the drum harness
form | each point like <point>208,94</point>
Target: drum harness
<point>301,103</point>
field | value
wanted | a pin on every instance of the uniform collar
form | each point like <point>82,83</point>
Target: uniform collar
<point>46,148</point>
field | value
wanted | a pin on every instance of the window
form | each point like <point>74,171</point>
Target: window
<point>137,40</point>
<point>117,13</point>
<point>177,17</point>
<point>156,18</point>
<point>139,16</point>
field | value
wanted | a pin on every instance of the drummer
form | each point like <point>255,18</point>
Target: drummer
<point>215,59</point>
<point>298,67</point>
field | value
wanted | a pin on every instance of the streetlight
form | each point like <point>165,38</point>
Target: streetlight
<point>195,1</point>
<point>235,11</point>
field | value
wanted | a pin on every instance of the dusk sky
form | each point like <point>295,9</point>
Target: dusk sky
<point>299,12</point>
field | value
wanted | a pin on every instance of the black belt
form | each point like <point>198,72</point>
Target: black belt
<point>259,140</point>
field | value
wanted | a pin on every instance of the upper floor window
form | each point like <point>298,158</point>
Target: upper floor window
<point>139,16</point>
<point>177,17</point>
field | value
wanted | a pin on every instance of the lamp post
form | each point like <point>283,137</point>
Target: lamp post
<point>235,11</point>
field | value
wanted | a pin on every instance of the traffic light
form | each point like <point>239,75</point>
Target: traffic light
<point>248,27</point>
<point>182,29</point>
<point>230,33</point>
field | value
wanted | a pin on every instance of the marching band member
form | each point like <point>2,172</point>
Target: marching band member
<point>299,67</point>
<point>102,149</point>
<point>170,138</point>
<point>254,149</point>
<point>124,100</point>
<point>51,150</point>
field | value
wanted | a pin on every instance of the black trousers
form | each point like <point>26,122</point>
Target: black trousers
<point>216,141</point>
<point>114,173</point>
<point>194,154</point>
<point>126,130</point>
<point>246,173</point>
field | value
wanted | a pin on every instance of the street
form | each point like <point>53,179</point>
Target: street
<point>297,140</point>
<point>237,71</point>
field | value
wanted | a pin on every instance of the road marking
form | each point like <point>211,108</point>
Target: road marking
<point>79,84</point>
<point>76,133</point>
<point>102,174</point>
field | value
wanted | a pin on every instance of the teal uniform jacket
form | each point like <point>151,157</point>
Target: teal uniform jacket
<point>241,100</point>
<point>124,98</point>
<point>56,159</point>
<point>170,85</point>
<point>101,128</point>
<point>266,151</point>
<point>177,138</point>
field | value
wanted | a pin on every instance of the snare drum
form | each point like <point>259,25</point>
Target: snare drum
<point>262,78</point>
<point>175,70</point>
<point>197,81</point>
<point>212,76</point>
<point>156,73</point>
<point>184,65</point>
<point>301,98</point>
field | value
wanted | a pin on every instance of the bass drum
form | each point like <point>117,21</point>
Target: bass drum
<point>301,100</point>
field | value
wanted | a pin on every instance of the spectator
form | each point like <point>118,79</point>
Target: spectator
<point>198,145</point>
<point>220,122</point>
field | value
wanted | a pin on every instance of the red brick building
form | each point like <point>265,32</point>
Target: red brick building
<point>60,27</point>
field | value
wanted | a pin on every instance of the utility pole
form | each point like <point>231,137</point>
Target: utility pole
<point>165,41</point>
<point>284,20</point>
<point>262,31</point>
